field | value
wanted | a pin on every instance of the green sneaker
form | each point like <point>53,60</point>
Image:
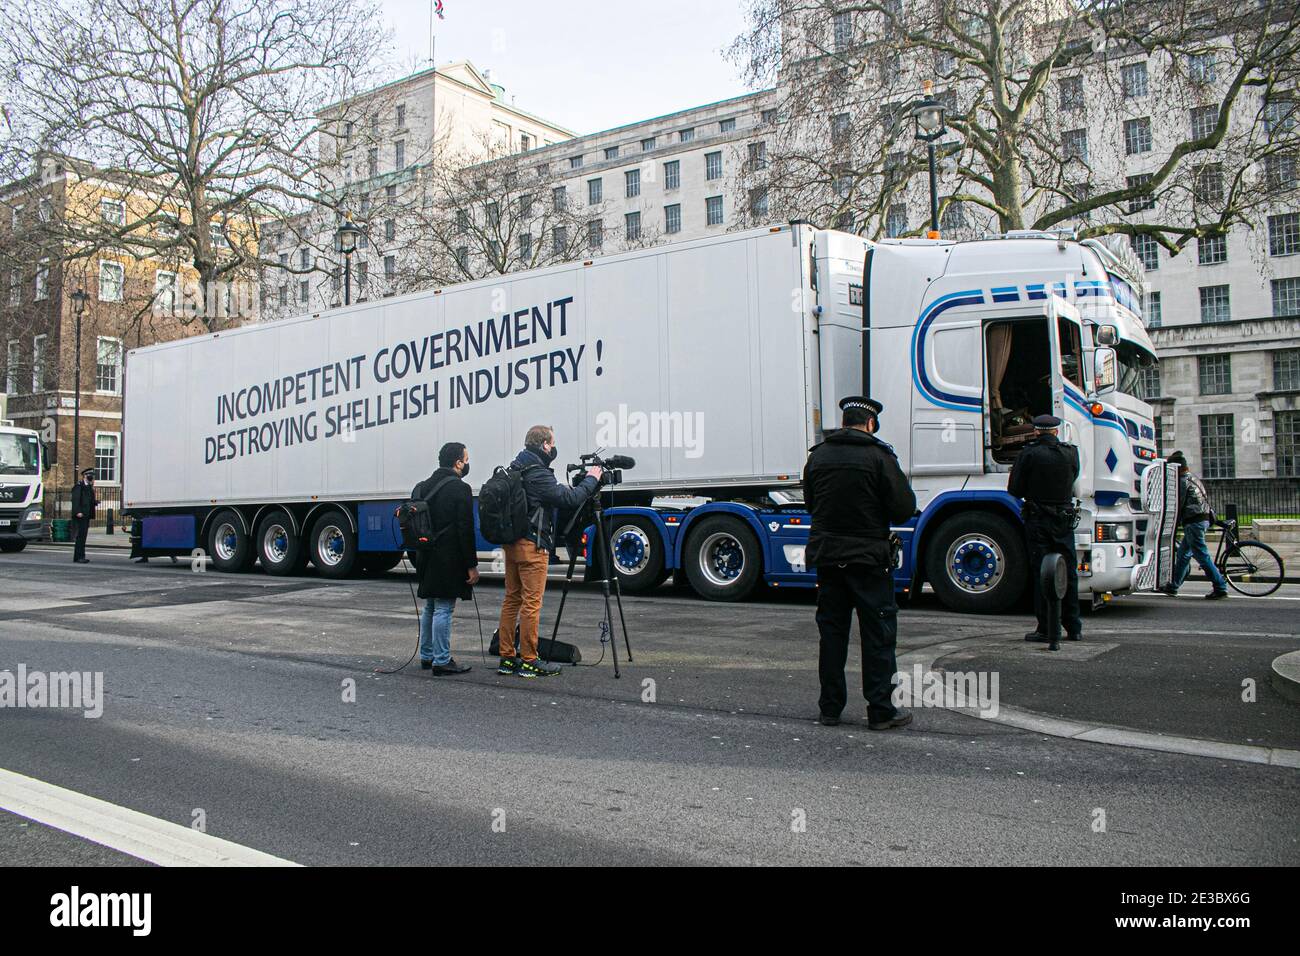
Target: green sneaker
<point>536,669</point>
<point>509,665</point>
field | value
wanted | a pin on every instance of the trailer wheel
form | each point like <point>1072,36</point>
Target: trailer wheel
<point>723,561</point>
<point>638,551</point>
<point>976,563</point>
<point>229,545</point>
<point>278,548</point>
<point>380,562</point>
<point>333,546</point>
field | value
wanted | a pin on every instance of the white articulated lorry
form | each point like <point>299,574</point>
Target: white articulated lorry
<point>714,363</point>
<point>22,464</point>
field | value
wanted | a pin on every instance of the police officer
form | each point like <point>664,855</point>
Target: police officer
<point>1044,476</point>
<point>855,490</point>
<point>84,504</point>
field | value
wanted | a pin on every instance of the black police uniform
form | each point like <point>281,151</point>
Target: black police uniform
<point>855,489</point>
<point>83,503</point>
<point>1044,476</point>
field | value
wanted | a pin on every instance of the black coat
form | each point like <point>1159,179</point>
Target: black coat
<point>444,568</point>
<point>855,490</point>
<point>1045,472</point>
<point>83,500</point>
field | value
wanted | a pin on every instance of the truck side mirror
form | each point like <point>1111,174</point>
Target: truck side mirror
<point>1105,370</point>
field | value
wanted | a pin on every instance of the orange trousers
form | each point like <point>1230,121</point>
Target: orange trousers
<point>526,566</point>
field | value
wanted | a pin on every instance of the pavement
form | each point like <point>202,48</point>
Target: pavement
<point>228,695</point>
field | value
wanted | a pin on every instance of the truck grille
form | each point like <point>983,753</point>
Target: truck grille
<point>13,492</point>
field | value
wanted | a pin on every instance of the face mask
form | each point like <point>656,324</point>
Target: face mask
<point>464,470</point>
<point>553,454</point>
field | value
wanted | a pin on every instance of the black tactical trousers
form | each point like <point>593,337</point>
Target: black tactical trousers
<point>841,590</point>
<point>82,528</point>
<point>1047,535</point>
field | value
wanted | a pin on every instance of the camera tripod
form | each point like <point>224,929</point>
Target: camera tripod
<point>604,567</point>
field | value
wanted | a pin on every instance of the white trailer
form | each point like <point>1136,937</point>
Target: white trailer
<point>711,362</point>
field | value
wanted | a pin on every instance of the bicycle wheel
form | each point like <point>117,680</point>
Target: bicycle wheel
<point>1252,568</point>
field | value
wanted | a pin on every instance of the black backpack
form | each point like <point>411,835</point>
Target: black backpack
<point>503,506</point>
<point>415,521</point>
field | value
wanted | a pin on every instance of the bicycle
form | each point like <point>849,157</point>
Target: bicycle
<point>1251,567</point>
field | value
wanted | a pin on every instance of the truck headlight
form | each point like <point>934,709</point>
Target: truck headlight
<point>1113,531</point>
<point>34,515</point>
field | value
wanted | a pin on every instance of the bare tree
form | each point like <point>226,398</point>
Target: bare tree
<point>199,118</point>
<point>1172,119</point>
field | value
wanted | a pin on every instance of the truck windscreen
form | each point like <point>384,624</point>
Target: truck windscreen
<point>1133,362</point>
<point>19,455</point>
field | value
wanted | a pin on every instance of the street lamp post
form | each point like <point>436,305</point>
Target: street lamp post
<point>347,241</point>
<point>79,300</point>
<point>928,114</point>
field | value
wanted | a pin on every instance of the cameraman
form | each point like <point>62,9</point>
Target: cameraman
<point>527,559</point>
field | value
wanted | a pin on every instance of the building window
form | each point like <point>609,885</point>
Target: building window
<point>757,156</point>
<point>372,162</point>
<point>106,457</point>
<point>559,240</point>
<point>575,162</point>
<point>1137,136</point>
<point>632,183</point>
<point>673,174</point>
<point>1286,297</point>
<point>1149,382</point>
<point>758,204</point>
<point>1214,373</point>
<point>953,216</point>
<point>390,229</point>
<point>304,259</point>
<point>896,221</point>
<point>648,144</point>
<point>632,226</point>
<point>1286,370</point>
<point>111,278</point>
<point>611,152</point>
<point>400,110</point>
<point>363,277</point>
<point>595,191</point>
<point>11,367</point>
<point>43,280</point>
<point>1074,144</point>
<point>713,210</point>
<point>1286,444</point>
<point>713,166</point>
<point>1279,171</point>
<point>1215,305</point>
<point>462,258</point>
<point>113,211</point>
<point>164,291</point>
<point>840,126</point>
<point>1207,183</point>
<point>390,267</point>
<point>1133,79</point>
<point>108,365</point>
<point>347,132</point>
<point>38,363</point>
<point>1070,90</point>
<point>1147,250</point>
<point>1141,202</point>
<point>284,296</point>
<point>1153,312</point>
<point>1211,250</point>
<point>1200,67</point>
<point>1204,120</point>
<point>673,219</point>
<point>1279,116</point>
<point>842,24</point>
<point>686,135</point>
<point>390,194</point>
<point>1284,234</point>
<point>525,142</point>
<point>768,117</point>
<point>493,212</point>
<point>595,234</point>
<point>727,126</point>
<point>1218,457</point>
<point>399,155</point>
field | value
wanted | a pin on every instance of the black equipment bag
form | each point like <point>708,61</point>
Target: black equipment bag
<point>503,507</point>
<point>557,652</point>
<point>415,521</point>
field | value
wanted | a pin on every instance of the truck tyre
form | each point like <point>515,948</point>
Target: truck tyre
<point>976,563</point>
<point>279,548</point>
<point>722,559</point>
<point>380,562</point>
<point>13,547</point>
<point>229,545</point>
<point>638,550</point>
<point>333,546</point>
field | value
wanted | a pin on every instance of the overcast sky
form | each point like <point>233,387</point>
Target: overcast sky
<point>585,64</point>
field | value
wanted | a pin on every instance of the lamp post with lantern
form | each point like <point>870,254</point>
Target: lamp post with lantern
<point>79,300</point>
<point>927,113</point>
<point>346,237</point>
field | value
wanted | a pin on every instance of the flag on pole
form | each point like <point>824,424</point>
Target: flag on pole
<point>437,8</point>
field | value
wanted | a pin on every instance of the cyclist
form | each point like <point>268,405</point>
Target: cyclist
<point>1195,515</point>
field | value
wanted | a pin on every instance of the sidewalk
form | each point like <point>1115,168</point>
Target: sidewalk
<point>96,539</point>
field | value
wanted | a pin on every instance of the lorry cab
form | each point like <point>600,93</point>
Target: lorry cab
<point>22,463</point>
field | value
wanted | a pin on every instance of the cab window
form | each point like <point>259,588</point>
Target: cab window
<point>1071,339</point>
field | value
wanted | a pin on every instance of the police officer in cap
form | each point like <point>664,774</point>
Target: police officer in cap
<point>855,490</point>
<point>1044,476</point>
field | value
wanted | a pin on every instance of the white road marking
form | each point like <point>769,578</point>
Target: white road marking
<point>119,828</point>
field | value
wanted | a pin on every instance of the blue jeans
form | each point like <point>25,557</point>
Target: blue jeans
<point>1193,546</point>
<point>435,630</point>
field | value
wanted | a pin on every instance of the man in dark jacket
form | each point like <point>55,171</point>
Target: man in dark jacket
<point>1044,475</point>
<point>84,504</point>
<point>855,490</point>
<point>449,569</point>
<point>1195,515</point>
<point>527,559</point>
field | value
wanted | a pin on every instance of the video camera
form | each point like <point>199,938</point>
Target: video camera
<point>612,467</point>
